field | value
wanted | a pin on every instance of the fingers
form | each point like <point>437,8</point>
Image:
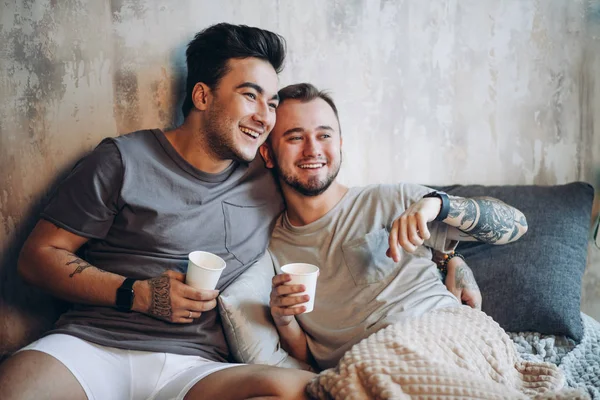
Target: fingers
<point>280,279</point>
<point>196,306</point>
<point>408,231</point>
<point>285,301</point>
<point>394,250</point>
<point>279,312</point>
<point>472,298</point>
<point>403,235</point>
<point>186,311</point>
<point>199,294</point>
<point>288,301</point>
<point>422,226</point>
<point>413,232</point>
<point>283,295</point>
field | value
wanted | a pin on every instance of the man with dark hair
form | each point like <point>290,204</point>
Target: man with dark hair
<point>371,243</point>
<point>134,208</point>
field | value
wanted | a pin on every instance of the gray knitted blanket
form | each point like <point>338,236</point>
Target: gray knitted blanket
<point>580,363</point>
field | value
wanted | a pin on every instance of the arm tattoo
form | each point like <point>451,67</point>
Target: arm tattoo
<point>486,219</point>
<point>81,265</point>
<point>464,278</point>
<point>160,305</point>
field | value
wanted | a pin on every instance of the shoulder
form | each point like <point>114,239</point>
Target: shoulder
<point>394,195</point>
<point>135,140</point>
<point>393,189</point>
<point>105,156</point>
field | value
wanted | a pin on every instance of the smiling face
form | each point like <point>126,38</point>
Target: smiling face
<point>305,146</point>
<point>240,112</point>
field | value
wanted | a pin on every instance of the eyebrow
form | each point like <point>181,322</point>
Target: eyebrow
<point>300,130</point>
<point>256,87</point>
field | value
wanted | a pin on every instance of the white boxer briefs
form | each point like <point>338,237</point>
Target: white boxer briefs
<point>117,374</point>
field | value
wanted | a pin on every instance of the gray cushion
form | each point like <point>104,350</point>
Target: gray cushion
<point>534,284</point>
<point>247,323</point>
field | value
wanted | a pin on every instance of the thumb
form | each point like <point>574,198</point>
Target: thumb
<point>469,300</point>
<point>175,275</point>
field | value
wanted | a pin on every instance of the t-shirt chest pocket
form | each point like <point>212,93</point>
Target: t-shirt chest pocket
<point>247,229</point>
<point>365,257</point>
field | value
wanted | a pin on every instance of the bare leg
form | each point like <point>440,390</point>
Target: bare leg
<point>252,382</point>
<point>31,374</point>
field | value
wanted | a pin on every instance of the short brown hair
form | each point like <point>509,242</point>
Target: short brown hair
<point>306,92</point>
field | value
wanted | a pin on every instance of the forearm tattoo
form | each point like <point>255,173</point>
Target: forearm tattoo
<point>160,305</point>
<point>81,265</point>
<point>486,219</point>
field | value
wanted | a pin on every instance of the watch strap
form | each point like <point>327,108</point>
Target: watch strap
<point>125,295</point>
<point>445,209</point>
<point>128,283</point>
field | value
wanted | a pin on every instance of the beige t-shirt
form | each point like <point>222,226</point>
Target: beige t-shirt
<point>360,290</point>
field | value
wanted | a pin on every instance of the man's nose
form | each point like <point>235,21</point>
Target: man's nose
<point>262,115</point>
<point>312,148</point>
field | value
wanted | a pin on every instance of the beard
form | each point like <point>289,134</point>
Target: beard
<point>313,186</point>
<point>220,140</point>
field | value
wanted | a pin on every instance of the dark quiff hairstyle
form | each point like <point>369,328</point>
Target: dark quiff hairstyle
<point>210,50</point>
<point>306,92</point>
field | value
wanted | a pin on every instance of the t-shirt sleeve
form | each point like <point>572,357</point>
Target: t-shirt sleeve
<point>86,202</point>
<point>411,193</point>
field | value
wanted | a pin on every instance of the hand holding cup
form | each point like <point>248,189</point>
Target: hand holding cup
<point>293,292</point>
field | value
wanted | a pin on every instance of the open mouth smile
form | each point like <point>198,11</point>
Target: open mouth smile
<point>250,132</point>
<point>312,165</point>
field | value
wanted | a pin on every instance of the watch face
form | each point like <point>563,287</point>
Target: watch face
<point>124,298</point>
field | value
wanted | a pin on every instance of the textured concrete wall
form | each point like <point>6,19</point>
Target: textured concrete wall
<point>440,91</point>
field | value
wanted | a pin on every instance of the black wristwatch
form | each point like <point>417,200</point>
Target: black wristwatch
<point>445,210</point>
<point>125,295</point>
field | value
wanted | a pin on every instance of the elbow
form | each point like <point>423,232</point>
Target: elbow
<point>520,227</point>
<point>25,265</point>
<point>521,222</point>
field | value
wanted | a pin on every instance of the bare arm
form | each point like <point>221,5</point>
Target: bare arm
<point>47,261</point>
<point>293,338</point>
<point>485,219</point>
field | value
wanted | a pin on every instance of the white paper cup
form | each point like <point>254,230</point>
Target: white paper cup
<point>204,270</point>
<point>303,274</point>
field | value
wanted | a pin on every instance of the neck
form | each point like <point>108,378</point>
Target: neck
<point>188,140</point>
<point>302,210</point>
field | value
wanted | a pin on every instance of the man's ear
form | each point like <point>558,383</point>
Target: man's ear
<point>266,154</point>
<point>200,95</point>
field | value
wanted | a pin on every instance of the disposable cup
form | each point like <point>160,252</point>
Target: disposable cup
<point>303,274</point>
<point>204,270</point>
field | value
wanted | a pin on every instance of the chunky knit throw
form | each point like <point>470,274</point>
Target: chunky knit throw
<point>448,353</point>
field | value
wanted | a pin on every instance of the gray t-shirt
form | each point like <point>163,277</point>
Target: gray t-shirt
<point>360,290</point>
<point>144,208</point>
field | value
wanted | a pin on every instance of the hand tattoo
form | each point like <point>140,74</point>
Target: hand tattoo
<point>487,219</point>
<point>81,265</point>
<point>464,279</point>
<point>160,304</point>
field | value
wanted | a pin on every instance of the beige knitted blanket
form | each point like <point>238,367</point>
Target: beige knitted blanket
<point>457,353</point>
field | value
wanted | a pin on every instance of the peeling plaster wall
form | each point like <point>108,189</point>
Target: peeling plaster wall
<point>437,92</point>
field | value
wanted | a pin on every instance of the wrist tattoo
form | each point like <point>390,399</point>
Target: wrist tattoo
<point>464,278</point>
<point>81,266</point>
<point>160,304</point>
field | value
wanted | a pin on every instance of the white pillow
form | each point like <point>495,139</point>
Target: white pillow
<point>247,321</point>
